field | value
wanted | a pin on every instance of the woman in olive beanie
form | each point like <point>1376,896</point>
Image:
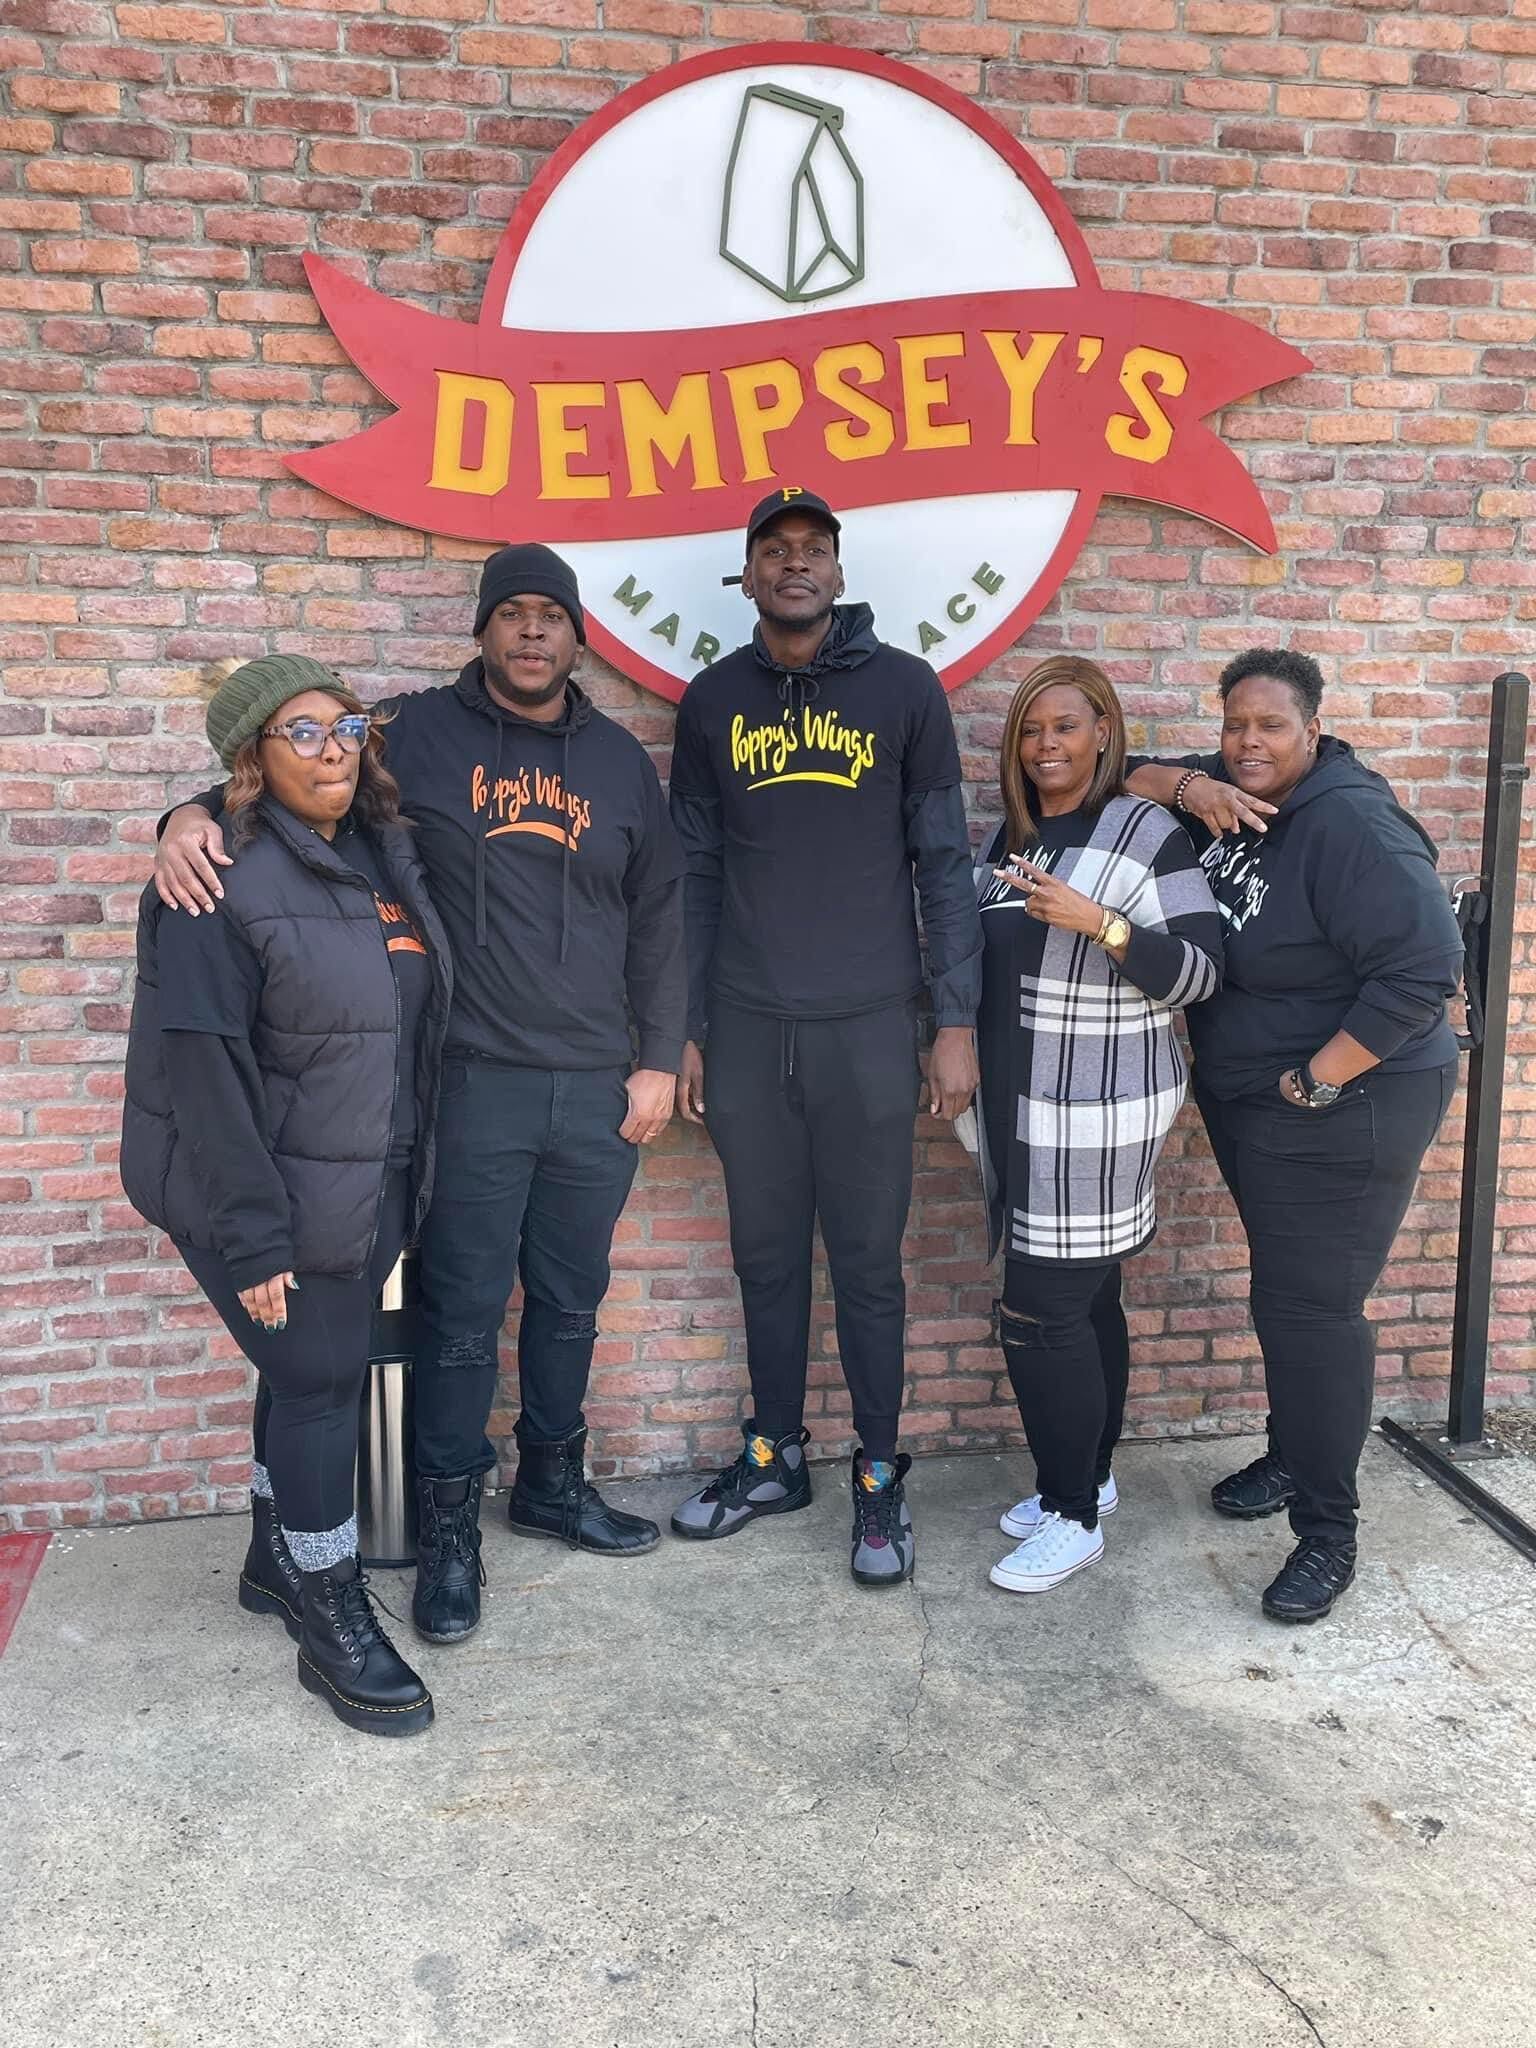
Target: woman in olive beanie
<point>281,1097</point>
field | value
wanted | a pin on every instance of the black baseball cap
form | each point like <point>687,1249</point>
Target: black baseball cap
<point>791,498</point>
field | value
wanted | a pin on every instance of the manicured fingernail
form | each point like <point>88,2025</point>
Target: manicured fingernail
<point>281,1325</point>
<point>294,1285</point>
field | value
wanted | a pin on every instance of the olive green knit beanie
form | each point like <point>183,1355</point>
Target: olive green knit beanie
<point>247,697</point>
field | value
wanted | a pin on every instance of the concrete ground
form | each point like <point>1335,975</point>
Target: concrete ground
<point>722,1797</point>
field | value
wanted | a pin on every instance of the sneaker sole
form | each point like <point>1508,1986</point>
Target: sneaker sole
<point>594,1549</point>
<point>1019,1530</point>
<point>371,1720</point>
<point>778,1507</point>
<point>1258,1514</point>
<point>885,1579</point>
<point>261,1600</point>
<point>1042,1585</point>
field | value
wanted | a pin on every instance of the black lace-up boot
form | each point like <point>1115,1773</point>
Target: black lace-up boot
<point>270,1581</point>
<point>884,1550</point>
<point>346,1659</point>
<point>446,1605</point>
<point>1310,1580</point>
<point>770,1477</point>
<point>552,1496</point>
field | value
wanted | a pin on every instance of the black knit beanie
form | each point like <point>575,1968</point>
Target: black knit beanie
<point>529,570</point>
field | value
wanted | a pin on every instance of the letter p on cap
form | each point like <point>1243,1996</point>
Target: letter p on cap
<point>792,491</point>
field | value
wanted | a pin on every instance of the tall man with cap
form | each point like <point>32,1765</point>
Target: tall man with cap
<point>558,877</point>
<point>815,779</point>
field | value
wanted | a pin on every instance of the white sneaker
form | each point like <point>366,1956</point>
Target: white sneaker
<point>1054,1552</point>
<point>1024,1519</point>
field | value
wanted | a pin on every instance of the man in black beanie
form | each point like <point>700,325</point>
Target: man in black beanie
<point>558,877</point>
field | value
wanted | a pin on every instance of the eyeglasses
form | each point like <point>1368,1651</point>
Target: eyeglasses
<point>308,737</point>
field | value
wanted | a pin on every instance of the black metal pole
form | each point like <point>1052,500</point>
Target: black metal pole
<point>1444,1454</point>
<point>1485,1069</point>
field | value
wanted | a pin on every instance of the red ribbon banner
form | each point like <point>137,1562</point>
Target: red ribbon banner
<point>516,434</point>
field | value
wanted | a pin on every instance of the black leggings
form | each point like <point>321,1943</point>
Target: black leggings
<point>311,1374</point>
<point>1069,1358</point>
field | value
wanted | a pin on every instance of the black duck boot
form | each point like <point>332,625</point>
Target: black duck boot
<point>270,1581</point>
<point>449,1574</point>
<point>552,1496</point>
<point>346,1659</point>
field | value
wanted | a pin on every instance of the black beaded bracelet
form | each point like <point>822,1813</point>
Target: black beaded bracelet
<point>1190,775</point>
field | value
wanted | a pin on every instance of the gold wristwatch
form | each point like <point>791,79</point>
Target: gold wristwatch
<point>1114,932</point>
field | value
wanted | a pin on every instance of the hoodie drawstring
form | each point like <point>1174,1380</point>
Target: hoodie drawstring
<point>480,933</point>
<point>565,847</point>
<point>787,1029</point>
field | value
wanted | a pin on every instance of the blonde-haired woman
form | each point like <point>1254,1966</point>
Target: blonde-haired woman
<point>281,1096</point>
<point>1098,926</point>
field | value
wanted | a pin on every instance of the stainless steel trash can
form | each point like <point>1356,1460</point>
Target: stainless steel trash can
<point>386,1464</point>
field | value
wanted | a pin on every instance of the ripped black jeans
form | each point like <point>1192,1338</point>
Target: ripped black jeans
<point>1069,1359</point>
<point>531,1178</point>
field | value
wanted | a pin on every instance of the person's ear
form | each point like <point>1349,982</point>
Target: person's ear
<point>841,583</point>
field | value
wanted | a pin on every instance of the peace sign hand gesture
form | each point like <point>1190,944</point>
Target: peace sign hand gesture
<point>1051,901</point>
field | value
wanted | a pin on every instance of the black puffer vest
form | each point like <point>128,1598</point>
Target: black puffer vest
<point>324,1039</point>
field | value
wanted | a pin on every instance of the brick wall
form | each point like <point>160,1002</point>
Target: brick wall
<point>1358,177</point>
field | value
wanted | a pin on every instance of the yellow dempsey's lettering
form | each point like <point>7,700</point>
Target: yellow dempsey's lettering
<point>456,393</point>
<point>1149,436</point>
<point>598,440</point>
<point>920,393</point>
<point>1022,373</point>
<point>650,429</point>
<point>757,418</point>
<point>559,440</point>
<point>876,429</point>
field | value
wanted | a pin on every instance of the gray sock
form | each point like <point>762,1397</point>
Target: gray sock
<point>317,1550</point>
<point>261,1482</point>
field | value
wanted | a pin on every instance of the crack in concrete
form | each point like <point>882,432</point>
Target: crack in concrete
<point>752,1974</point>
<point>1211,1933</point>
<point>894,1755</point>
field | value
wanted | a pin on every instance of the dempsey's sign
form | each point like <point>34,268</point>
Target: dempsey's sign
<point>809,268</point>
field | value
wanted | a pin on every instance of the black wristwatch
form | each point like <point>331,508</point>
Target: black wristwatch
<point>1318,1094</point>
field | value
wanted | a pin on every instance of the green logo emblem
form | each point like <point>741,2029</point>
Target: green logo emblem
<point>793,217</point>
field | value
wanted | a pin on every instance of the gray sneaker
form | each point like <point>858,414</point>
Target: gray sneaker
<point>884,1549</point>
<point>767,1479</point>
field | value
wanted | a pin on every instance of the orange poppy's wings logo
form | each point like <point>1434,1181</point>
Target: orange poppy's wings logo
<point>809,268</point>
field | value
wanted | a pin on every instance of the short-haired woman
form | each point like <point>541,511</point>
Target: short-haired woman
<point>1322,1070</point>
<point>281,1093</point>
<point>1099,926</point>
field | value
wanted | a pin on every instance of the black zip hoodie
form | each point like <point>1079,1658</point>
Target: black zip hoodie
<point>1334,920</point>
<point>556,873</point>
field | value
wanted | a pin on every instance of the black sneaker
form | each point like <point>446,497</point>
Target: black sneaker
<point>1310,1580</point>
<point>884,1550</point>
<point>767,1479</point>
<point>1262,1488</point>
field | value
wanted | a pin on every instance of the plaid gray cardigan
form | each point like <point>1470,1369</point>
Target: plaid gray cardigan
<point>1091,1070</point>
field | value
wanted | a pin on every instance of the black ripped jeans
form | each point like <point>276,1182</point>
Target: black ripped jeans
<point>531,1177</point>
<point>1069,1358</point>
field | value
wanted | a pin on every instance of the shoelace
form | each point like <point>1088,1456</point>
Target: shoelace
<point>452,1536</point>
<point>576,1490</point>
<point>360,1626</point>
<point>1049,1534</point>
<point>732,1484</point>
<point>876,1511</point>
